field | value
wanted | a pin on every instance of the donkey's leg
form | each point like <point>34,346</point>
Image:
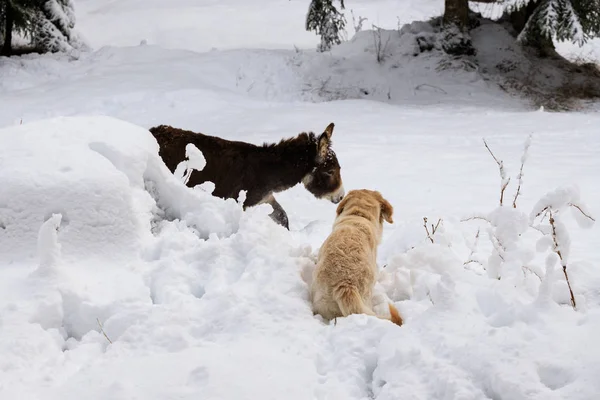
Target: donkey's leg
<point>278,215</point>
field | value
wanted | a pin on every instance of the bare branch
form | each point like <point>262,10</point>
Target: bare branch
<point>430,298</point>
<point>582,212</point>
<point>490,150</point>
<point>471,260</point>
<point>544,210</point>
<point>434,228</point>
<point>102,330</point>
<point>476,217</point>
<point>439,89</point>
<point>564,265</point>
<point>526,268</point>
<point>520,176</point>
<point>500,248</point>
<point>427,229</point>
<point>504,181</point>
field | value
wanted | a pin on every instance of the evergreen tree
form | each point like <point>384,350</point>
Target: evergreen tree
<point>565,20</point>
<point>54,26</point>
<point>16,16</point>
<point>48,23</point>
<point>325,20</point>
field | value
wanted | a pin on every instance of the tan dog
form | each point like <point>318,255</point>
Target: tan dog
<point>346,265</point>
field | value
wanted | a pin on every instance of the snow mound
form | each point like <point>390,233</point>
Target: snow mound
<point>403,66</point>
<point>97,174</point>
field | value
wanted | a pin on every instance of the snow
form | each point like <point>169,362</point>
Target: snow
<point>118,282</point>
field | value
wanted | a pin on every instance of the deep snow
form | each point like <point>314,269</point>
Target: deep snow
<point>202,300</point>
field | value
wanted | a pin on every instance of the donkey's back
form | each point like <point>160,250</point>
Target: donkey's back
<point>173,141</point>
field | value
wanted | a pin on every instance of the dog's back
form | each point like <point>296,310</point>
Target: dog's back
<point>346,268</point>
<point>344,273</point>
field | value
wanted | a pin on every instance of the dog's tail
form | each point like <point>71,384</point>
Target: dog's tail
<point>350,302</point>
<point>395,315</point>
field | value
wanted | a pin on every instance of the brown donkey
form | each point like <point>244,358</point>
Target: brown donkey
<point>260,170</point>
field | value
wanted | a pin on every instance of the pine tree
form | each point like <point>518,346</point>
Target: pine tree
<point>564,20</point>
<point>54,26</point>
<point>325,20</point>
<point>16,16</point>
<point>48,23</point>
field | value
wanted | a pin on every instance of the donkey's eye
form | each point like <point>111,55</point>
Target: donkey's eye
<point>328,173</point>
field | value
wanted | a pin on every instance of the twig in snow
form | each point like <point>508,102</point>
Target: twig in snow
<point>498,246</point>
<point>526,268</point>
<point>418,87</point>
<point>380,47</point>
<point>475,242</point>
<point>564,264</point>
<point>520,176</point>
<point>433,228</point>
<point>476,217</point>
<point>430,298</point>
<point>543,211</point>
<point>357,26</point>
<point>102,330</point>
<point>504,181</point>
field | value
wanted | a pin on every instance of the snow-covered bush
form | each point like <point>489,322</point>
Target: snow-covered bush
<point>556,236</point>
<point>100,180</point>
<point>507,226</point>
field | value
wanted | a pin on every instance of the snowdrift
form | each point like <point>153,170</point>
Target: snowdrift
<point>98,173</point>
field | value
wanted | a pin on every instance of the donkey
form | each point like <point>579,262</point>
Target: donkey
<point>260,170</point>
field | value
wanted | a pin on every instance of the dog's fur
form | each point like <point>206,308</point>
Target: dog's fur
<point>346,265</point>
<point>260,170</point>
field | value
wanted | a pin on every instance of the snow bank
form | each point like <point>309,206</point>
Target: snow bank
<point>96,173</point>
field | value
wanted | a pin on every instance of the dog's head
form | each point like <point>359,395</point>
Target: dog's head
<point>368,204</point>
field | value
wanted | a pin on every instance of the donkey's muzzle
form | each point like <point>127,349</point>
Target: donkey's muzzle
<point>338,195</point>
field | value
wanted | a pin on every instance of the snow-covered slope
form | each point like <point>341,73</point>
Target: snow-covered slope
<point>118,282</point>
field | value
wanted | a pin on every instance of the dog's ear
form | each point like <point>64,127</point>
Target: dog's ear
<point>340,207</point>
<point>324,142</point>
<point>387,211</point>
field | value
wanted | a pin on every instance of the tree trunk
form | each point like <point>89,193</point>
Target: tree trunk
<point>8,25</point>
<point>457,12</point>
<point>455,29</point>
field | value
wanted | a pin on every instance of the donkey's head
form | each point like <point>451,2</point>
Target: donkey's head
<point>325,180</point>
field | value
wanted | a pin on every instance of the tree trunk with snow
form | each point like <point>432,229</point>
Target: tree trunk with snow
<point>9,19</point>
<point>456,39</point>
<point>456,12</point>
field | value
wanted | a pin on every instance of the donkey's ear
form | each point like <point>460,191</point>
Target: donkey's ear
<point>329,130</point>
<point>323,147</point>
<point>387,210</point>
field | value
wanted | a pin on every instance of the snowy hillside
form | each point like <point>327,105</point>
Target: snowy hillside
<point>118,282</point>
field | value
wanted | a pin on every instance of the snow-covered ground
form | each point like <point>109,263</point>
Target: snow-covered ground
<point>199,300</point>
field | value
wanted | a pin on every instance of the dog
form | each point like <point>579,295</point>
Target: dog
<point>346,270</point>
